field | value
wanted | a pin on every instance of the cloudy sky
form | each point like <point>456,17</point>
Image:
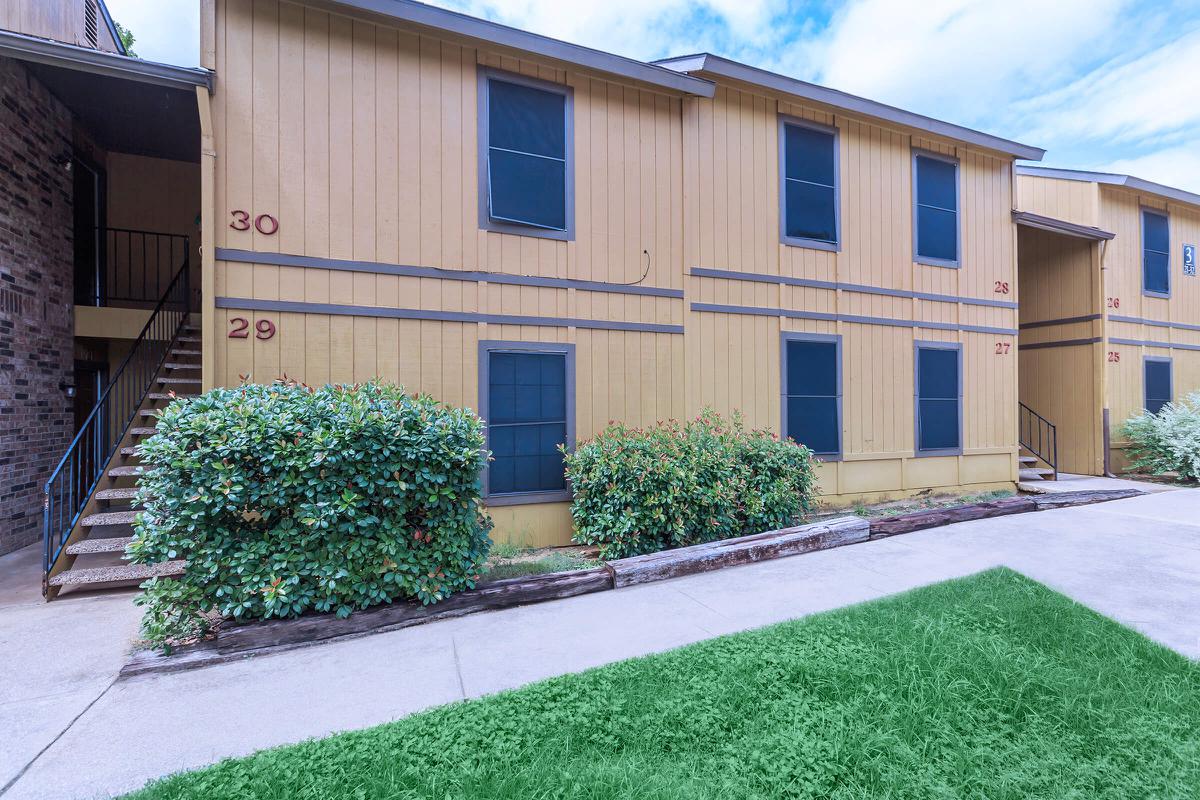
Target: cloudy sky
<point>1101,84</point>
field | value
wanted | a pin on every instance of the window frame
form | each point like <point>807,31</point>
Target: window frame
<point>918,346</point>
<point>483,160</point>
<point>800,241</point>
<point>486,348</point>
<point>824,338</point>
<point>1146,361</point>
<point>1166,215</point>
<point>916,244</point>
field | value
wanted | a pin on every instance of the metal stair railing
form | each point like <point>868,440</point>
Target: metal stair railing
<point>77,475</point>
<point>1038,435</point>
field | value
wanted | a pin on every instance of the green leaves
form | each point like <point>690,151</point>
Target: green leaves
<point>641,490</point>
<point>1168,441</point>
<point>285,500</point>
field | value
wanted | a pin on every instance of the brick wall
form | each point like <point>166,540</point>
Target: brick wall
<point>36,312</point>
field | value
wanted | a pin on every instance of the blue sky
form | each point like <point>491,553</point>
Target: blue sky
<point>1101,84</point>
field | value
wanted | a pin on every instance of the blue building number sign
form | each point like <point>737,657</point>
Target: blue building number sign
<point>1189,260</point>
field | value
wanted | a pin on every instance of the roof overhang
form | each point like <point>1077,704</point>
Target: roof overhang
<point>98,62</point>
<point>493,34</point>
<point>1111,179</point>
<point>1028,220</point>
<point>709,65</point>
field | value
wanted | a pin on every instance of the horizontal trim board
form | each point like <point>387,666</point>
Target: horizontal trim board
<point>708,64</point>
<point>1061,321</point>
<point>758,311</point>
<point>1183,326</point>
<point>407,271</point>
<point>496,35</point>
<point>336,309</point>
<point>1149,343</point>
<point>810,283</point>
<point>1061,343</point>
<point>1030,220</point>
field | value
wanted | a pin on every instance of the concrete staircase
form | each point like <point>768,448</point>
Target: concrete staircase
<point>94,557</point>
<point>1032,469</point>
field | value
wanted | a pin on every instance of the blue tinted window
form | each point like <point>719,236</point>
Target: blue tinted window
<point>1156,252</point>
<point>810,183</point>
<point>527,155</point>
<point>1158,385</point>
<point>527,421</point>
<point>936,208</point>
<point>938,399</point>
<point>811,395</point>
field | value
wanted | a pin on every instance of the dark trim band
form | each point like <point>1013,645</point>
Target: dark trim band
<point>1030,220</point>
<point>1061,343</point>
<point>714,308</point>
<point>1157,323</point>
<point>1061,321</point>
<point>808,283</point>
<point>404,270</point>
<point>1149,343</point>
<point>338,309</point>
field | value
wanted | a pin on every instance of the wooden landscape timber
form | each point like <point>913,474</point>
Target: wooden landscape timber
<point>273,636</point>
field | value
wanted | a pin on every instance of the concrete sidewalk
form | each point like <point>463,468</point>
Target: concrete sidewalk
<point>1135,560</point>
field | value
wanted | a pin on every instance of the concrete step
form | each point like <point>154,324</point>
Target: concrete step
<point>1027,460</point>
<point>189,339</point>
<point>109,518</point>
<point>149,412</point>
<point>124,472</point>
<point>169,396</point>
<point>1036,474</point>
<point>179,351</point>
<point>123,572</point>
<point>116,495</point>
<point>180,365</point>
<point>143,431</point>
<point>116,544</point>
<point>178,381</point>
<point>129,452</point>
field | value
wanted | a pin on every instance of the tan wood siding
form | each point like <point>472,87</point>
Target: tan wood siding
<point>60,20</point>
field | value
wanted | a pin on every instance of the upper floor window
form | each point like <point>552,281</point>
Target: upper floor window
<point>527,403</point>
<point>526,159</point>
<point>1157,383</point>
<point>939,398</point>
<point>1156,253</point>
<point>812,392</point>
<point>935,209</point>
<point>809,184</point>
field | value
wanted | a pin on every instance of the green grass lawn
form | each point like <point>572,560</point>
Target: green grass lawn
<point>988,687</point>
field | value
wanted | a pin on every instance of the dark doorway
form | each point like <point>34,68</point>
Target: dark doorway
<point>91,378</point>
<point>89,202</point>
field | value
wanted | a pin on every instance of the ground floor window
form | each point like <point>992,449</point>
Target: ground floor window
<point>1157,383</point>
<point>527,399</point>
<point>938,398</point>
<point>812,392</point>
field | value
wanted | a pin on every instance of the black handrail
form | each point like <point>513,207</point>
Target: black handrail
<point>1045,445</point>
<point>79,472</point>
<point>132,266</point>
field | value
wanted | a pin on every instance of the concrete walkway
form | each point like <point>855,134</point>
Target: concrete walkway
<point>1135,560</point>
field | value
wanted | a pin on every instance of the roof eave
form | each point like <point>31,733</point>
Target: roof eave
<point>1030,220</point>
<point>98,62</point>
<point>1112,179</point>
<point>733,70</point>
<point>493,33</point>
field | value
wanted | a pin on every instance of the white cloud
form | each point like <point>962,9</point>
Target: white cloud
<point>1175,166</point>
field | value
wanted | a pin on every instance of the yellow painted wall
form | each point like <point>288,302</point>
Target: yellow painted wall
<point>1120,209</point>
<point>731,222</point>
<point>361,140</point>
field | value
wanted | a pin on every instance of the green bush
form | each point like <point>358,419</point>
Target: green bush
<point>640,490</point>
<point>1168,441</point>
<point>284,499</point>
